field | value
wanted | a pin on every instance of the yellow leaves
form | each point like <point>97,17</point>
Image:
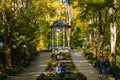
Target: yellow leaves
<point>78,23</point>
<point>76,12</point>
<point>60,8</point>
<point>49,4</point>
<point>41,44</point>
<point>81,24</point>
<point>95,1</point>
<point>59,11</point>
<point>39,19</point>
<point>57,4</point>
<point>84,26</point>
<point>98,1</point>
<point>0,5</point>
<point>7,4</point>
<point>75,3</point>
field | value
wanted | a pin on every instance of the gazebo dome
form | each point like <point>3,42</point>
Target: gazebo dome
<point>60,23</point>
<point>60,29</point>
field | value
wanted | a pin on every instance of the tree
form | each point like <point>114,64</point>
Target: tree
<point>113,31</point>
<point>7,42</point>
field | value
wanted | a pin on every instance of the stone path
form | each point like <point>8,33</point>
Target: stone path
<point>84,66</point>
<point>37,67</point>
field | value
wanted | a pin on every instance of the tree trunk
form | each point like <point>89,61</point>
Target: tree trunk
<point>101,34</point>
<point>6,36</point>
<point>113,35</point>
<point>113,41</point>
<point>95,43</point>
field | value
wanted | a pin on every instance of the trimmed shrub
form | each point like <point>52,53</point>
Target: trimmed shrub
<point>1,66</point>
<point>66,56</point>
<point>115,70</point>
<point>95,62</point>
<point>12,71</point>
<point>85,51</point>
<point>49,66</point>
<point>3,76</point>
<point>81,76</point>
<point>41,76</point>
<point>88,54</point>
<point>62,76</point>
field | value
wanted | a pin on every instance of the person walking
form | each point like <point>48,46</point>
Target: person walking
<point>100,67</point>
<point>106,66</point>
<point>64,68</point>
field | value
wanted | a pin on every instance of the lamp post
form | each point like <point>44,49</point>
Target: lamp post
<point>1,44</point>
<point>14,46</point>
<point>25,53</point>
<point>107,49</point>
<point>24,46</point>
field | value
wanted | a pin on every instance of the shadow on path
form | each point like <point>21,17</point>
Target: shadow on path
<point>38,66</point>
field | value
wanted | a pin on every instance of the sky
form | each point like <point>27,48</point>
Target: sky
<point>63,0</point>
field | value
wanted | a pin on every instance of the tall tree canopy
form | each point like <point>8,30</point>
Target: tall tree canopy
<point>24,25</point>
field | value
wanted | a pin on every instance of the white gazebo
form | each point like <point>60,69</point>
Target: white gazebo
<point>60,35</point>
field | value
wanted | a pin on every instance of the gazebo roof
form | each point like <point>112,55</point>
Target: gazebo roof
<point>60,23</point>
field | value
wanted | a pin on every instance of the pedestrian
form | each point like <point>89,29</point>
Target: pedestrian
<point>106,66</point>
<point>100,67</point>
<point>64,68</point>
<point>59,68</point>
<point>58,57</point>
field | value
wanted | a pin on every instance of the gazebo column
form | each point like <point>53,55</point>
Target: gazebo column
<point>52,38</point>
<point>68,38</point>
<point>57,36</point>
<point>63,37</point>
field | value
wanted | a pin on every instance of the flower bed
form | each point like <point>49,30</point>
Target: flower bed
<point>62,76</point>
<point>69,65</point>
<point>66,60</point>
<point>66,55</point>
<point>70,73</point>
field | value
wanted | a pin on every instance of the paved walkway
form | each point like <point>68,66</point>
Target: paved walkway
<point>37,67</point>
<point>84,66</point>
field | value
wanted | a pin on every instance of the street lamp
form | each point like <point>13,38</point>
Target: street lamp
<point>24,46</point>
<point>1,44</point>
<point>107,47</point>
<point>14,46</point>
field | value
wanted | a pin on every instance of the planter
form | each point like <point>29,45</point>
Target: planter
<point>68,74</point>
<point>62,76</point>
